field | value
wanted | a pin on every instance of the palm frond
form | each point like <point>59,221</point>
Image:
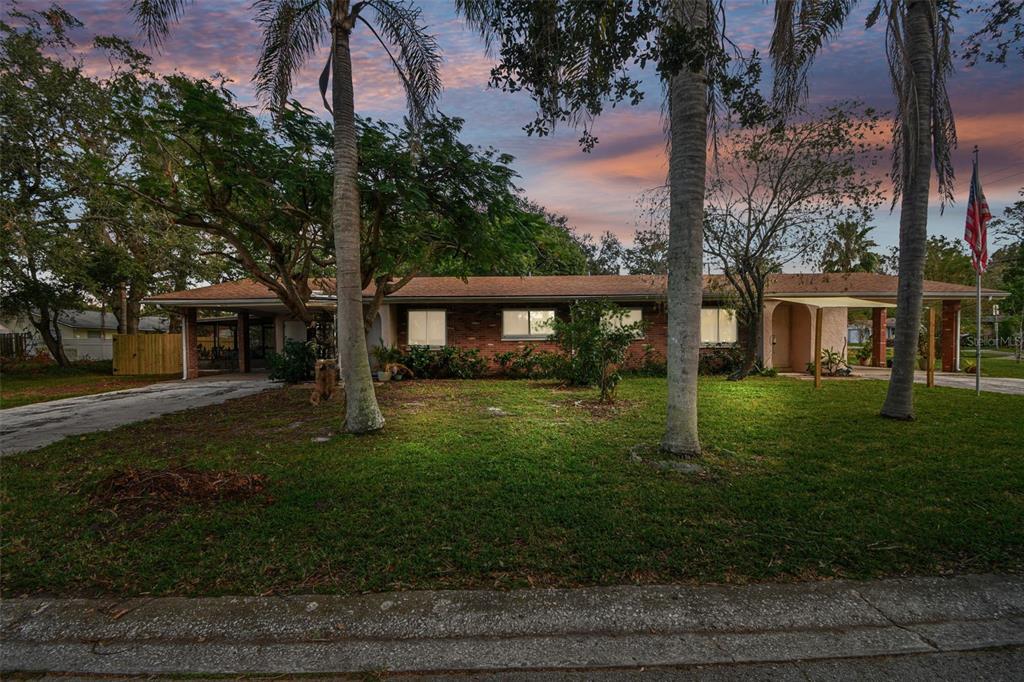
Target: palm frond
<point>480,15</point>
<point>414,53</point>
<point>908,109</point>
<point>155,16</point>
<point>292,30</point>
<point>802,27</point>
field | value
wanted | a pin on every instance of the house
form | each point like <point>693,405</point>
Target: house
<point>86,334</point>
<point>497,314</point>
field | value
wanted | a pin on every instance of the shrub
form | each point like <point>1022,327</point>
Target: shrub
<point>294,364</point>
<point>447,362</point>
<point>527,363</point>
<point>594,339</point>
<point>864,354</point>
<point>651,363</point>
<point>720,360</point>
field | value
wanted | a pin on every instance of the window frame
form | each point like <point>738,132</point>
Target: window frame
<point>528,336</point>
<point>427,311</point>
<point>642,334</point>
<point>718,327</point>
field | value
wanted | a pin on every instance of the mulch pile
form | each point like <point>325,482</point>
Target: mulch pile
<point>140,490</point>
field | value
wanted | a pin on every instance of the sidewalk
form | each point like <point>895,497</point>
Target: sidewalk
<point>552,630</point>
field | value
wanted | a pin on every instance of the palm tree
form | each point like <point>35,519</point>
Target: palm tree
<point>688,130</point>
<point>292,32</point>
<point>573,57</point>
<point>850,249</point>
<point>918,51</point>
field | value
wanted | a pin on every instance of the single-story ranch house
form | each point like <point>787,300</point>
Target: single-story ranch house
<point>497,314</point>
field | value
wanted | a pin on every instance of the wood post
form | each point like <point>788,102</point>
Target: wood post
<point>931,346</point>
<point>817,347</point>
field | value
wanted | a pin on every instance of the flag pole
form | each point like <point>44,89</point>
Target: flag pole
<point>977,331</point>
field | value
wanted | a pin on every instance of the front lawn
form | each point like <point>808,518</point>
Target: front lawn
<point>33,383</point>
<point>1000,366</point>
<point>518,483</point>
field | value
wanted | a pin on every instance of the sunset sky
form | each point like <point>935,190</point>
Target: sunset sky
<point>597,191</point>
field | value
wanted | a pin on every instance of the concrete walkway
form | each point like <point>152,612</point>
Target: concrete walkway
<point>951,380</point>
<point>608,629</point>
<point>33,426</point>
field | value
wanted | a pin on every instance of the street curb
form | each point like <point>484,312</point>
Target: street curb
<point>515,630</point>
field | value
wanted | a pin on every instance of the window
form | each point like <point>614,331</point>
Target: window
<point>718,325</point>
<point>427,328</point>
<point>526,324</point>
<point>632,316</point>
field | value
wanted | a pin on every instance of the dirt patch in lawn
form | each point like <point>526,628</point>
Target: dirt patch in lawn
<point>142,490</point>
<point>599,410</point>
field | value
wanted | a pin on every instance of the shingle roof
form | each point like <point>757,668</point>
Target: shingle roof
<point>864,284</point>
<point>94,319</point>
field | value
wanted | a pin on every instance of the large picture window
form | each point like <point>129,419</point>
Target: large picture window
<point>631,316</point>
<point>527,324</point>
<point>718,325</point>
<point>427,328</point>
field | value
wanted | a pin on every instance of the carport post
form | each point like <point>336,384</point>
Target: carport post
<point>817,346</point>
<point>242,341</point>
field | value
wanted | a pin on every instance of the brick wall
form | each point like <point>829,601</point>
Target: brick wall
<point>478,325</point>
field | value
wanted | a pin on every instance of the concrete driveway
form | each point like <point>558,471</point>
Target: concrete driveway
<point>34,426</point>
<point>951,380</point>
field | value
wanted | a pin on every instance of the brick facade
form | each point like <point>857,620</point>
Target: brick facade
<point>878,340</point>
<point>478,325</point>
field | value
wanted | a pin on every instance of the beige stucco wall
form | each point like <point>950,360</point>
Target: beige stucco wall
<point>791,327</point>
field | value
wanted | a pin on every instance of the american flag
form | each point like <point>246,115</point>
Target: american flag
<point>976,230</point>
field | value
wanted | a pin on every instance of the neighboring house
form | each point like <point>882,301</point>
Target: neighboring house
<point>497,314</point>
<point>858,332</point>
<point>86,334</point>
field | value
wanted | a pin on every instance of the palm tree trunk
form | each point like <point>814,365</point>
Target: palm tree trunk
<point>362,413</point>
<point>917,159</point>
<point>687,166</point>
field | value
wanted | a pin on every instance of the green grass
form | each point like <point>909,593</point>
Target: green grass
<point>31,383</point>
<point>800,484</point>
<point>999,366</point>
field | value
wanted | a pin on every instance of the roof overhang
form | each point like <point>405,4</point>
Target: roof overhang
<point>834,301</point>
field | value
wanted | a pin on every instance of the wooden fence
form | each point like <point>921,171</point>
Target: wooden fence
<point>147,354</point>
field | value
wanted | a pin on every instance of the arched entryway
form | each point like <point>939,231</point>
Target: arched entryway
<point>791,337</point>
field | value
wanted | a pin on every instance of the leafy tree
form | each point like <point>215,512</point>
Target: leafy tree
<point>574,58</point>
<point>1008,264</point>
<point>1003,27</point>
<point>851,249</point>
<point>260,197</point>
<point>594,339</point>
<point>917,37</point>
<point>604,256</point>
<point>649,253</point>
<point>946,260</point>
<point>292,32</point>
<point>435,205</point>
<point>46,112</point>
<point>776,197</point>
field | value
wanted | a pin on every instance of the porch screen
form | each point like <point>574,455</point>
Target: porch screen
<point>718,325</point>
<point>427,328</point>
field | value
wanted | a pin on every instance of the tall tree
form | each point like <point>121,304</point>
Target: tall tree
<point>917,36</point>
<point>851,249</point>
<point>573,57</point>
<point>648,254</point>
<point>292,32</point>
<point>776,196</point>
<point>46,113</point>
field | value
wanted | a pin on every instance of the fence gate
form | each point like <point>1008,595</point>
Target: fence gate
<point>147,354</point>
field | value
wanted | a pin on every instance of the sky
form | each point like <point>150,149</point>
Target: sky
<point>598,191</point>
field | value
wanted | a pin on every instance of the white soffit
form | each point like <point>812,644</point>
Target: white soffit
<point>836,302</point>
